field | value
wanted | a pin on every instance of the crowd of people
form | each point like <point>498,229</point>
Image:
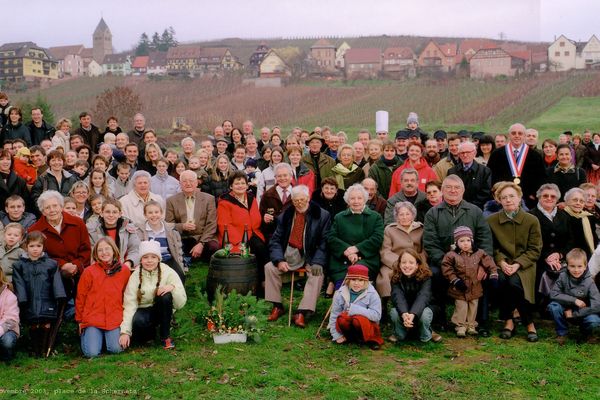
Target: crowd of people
<point>102,225</point>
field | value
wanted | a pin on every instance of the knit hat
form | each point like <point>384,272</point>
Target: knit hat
<point>251,162</point>
<point>358,271</point>
<point>463,231</point>
<point>150,247</point>
<point>412,117</point>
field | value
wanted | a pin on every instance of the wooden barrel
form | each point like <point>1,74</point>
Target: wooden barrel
<point>233,272</point>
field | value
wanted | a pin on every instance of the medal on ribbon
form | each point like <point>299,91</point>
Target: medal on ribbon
<point>516,164</point>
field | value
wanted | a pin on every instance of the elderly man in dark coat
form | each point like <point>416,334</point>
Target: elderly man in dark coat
<point>476,177</point>
<point>440,222</point>
<point>299,240</point>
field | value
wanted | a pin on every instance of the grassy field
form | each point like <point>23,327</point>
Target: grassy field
<point>452,104</point>
<point>290,363</point>
<point>579,111</point>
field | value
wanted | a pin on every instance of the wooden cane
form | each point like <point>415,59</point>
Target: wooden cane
<point>291,299</point>
<point>324,319</point>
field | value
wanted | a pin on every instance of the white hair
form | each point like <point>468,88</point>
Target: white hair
<point>140,174</point>
<point>50,194</point>
<point>300,190</point>
<point>187,139</point>
<point>286,166</point>
<point>360,188</point>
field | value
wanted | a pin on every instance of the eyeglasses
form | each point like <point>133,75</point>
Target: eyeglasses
<point>517,133</point>
<point>549,196</point>
<point>509,196</point>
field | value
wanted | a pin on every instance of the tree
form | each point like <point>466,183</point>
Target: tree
<point>121,102</point>
<point>143,47</point>
<point>155,45</point>
<point>42,103</point>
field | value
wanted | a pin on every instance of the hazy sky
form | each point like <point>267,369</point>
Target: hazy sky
<point>63,22</point>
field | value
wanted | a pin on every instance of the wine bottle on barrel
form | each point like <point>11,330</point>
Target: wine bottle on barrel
<point>226,245</point>
<point>245,246</point>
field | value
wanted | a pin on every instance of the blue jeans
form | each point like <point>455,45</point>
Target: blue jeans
<point>92,339</point>
<point>586,324</point>
<point>8,342</point>
<point>423,322</point>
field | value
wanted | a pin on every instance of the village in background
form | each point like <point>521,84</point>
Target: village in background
<point>275,62</point>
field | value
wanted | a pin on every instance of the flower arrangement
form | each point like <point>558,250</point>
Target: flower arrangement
<point>233,313</point>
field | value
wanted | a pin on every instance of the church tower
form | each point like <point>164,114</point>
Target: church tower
<point>102,41</point>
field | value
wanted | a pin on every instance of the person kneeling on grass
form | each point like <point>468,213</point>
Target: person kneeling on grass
<point>574,298</point>
<point>411,298</point>
<point>153,292</point>
<point>356,310</point>
<point>99,305</point>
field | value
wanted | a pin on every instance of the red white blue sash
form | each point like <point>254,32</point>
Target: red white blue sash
<point>516,164</point>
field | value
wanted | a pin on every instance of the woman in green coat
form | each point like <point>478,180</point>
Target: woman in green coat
<point>517,248</point>
<point>356,234</point>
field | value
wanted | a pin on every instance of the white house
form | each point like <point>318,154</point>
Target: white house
<point>590,53</point>
<point>339,55</point>
<point>562,54</point>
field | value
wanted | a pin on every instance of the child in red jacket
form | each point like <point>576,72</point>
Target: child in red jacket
<point>99,304</point>
<point>23,166</point>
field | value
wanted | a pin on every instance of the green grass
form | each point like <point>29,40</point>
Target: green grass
<point>571,113</point>
<point>291,363</point>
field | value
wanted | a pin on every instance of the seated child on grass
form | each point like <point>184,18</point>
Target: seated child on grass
<point>356,310</point>
<point>411,298</point>
<point>460,267</point>
<point>574,299</point>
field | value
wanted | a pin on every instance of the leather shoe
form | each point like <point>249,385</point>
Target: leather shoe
<point>299,320</point>
<point>276,312</point>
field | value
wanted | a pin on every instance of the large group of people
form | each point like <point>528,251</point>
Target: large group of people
<point>103,227</point>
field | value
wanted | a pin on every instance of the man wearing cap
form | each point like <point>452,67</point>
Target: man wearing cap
<point>381,125</point>
<point>441,137</point>
<point>464,135</point>
<point>440,222</point>
<point>401,144</point>
<point>452,159</point>
<point>38,128</point>
<point>476,177</point>
<point>299,240</point>
<point>320,164</point>
<point>515,163</point>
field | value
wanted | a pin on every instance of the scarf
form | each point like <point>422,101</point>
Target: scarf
<point>511,214</point>
<point>568,170</point>
<point>110,269</point>
<point>341,172</point>
<point>585,222</point>
<point>549,160</point>
<point>389,163</point>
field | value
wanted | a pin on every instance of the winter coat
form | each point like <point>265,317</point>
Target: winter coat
<point>396,239</point>
<point>121,189</point>
<point>15,185</point>
<point>478,183</point>
<point>556,236</point>
<point>8,258</point>
<point>47,181</point>
<point>367,304</point>
<point>439,230</point>
<point>133,205</point>
<point>592,156</point>
<point>128,239</point>
<point>26,220</point>
<point>61,139</point>
<point>216,188</point>
<point>565,180</point>
<point>378,204</point>
<point>205,216</point>
<point>25,170</point>
<point>398,197</point>
<point>9,309</point>
<point>410,295</point>
<point>99,300</point>
<point>265,182</point>
<point>518,241</point>
<point>532,176</point>
<point>333,206</point>
<point>272,201</point>
<point>567,289</point>
<point>316,231</point>
<point>443,166</point>
<point>425,172</point>
<point>164,186</point>
<point>304,176</point>
<point>325,164</point>
<point>92,138</point>
<point>38,286</point>
<point>45,131</point>
<point>71,245</point>
<point>18,131</point>
<point>382,174</point>
<point>462,265</point>
<point>236,216</point>
<point>173,240</point>
<point>580,153</point>
<point>148,289</point>
<point>365,231</point>
<point>347,177</point>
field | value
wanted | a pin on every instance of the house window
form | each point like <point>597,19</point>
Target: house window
<point>562,44</point>
<point>567,53</point>
<point>557,54</point>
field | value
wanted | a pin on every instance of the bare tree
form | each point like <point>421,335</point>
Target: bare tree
<point>121,102</point>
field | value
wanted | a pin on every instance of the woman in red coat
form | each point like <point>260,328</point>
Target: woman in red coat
<point>416,161</point>
<point>99,305</point>
<point>237,210</point>
<point>302,175</point>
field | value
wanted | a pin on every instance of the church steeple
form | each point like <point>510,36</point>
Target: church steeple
<point>102,41</point>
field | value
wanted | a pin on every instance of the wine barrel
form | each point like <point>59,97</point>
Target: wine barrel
<point>233,272</point>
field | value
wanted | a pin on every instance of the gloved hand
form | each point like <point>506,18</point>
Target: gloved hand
<point>460,285</point>
<point>494,281</point>
<point>316,270</point>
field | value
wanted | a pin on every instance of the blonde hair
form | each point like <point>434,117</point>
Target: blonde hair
<point>501,186</point>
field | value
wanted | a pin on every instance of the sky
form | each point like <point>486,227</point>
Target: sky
<point>67,22</point>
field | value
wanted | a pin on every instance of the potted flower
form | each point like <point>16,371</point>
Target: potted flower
<point>233,317</point>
